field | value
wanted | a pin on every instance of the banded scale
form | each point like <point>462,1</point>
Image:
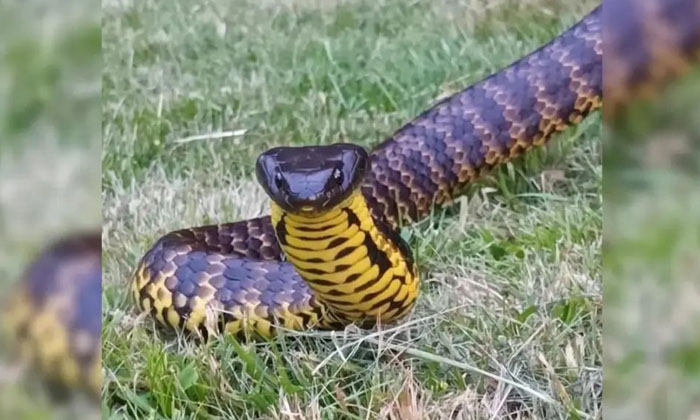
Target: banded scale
<point>356,266</point>
<point>53,317</point>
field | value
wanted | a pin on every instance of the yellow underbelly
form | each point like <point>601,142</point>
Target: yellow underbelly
<point>356,268</point>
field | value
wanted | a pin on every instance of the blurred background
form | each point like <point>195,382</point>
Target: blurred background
<point>651,244</point>
<point>50,85</point>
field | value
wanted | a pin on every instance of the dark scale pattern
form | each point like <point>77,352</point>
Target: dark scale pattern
<point>235,269</point>
<point>54,317</point>
<point>253,238</point>
<point>647,42</point>
<point>428,161</point>
<point>238,269</point>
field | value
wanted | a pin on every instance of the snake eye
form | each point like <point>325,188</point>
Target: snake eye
<point>338,176</point>
<point>279,180</point>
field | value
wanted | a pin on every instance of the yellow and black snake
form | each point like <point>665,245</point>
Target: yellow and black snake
<point>54,314</point>
<point>330,252</point>
<point>244,271</point>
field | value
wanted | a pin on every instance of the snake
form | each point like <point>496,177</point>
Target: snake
<point>54,314</point>
<point>330,252</point>
<point>648,44</point>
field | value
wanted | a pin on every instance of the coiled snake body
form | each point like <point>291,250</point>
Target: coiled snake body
<point>330,253</point>
<point>54,313</point>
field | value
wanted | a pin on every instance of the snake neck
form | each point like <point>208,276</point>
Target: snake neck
<point>358,267</point>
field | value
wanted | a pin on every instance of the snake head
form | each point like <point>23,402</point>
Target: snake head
<point>311,179</point>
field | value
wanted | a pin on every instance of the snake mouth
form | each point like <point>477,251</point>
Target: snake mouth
<point>309,211</point>
<point>314,205</point>
<point>311,180</point>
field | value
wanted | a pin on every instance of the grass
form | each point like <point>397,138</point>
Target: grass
<point>652,350</point>
<point>509,318</point>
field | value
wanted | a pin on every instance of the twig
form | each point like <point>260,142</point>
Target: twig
<point>211,136</point>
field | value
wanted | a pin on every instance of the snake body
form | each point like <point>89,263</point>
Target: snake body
<point>647,44</point>
<point>237,277</point>
<point>358,268</point>
<point>54,314</point>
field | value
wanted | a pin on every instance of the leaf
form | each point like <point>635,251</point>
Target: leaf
<point>497,251</point>
<point>526,313</point>
<point>188,377</point>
